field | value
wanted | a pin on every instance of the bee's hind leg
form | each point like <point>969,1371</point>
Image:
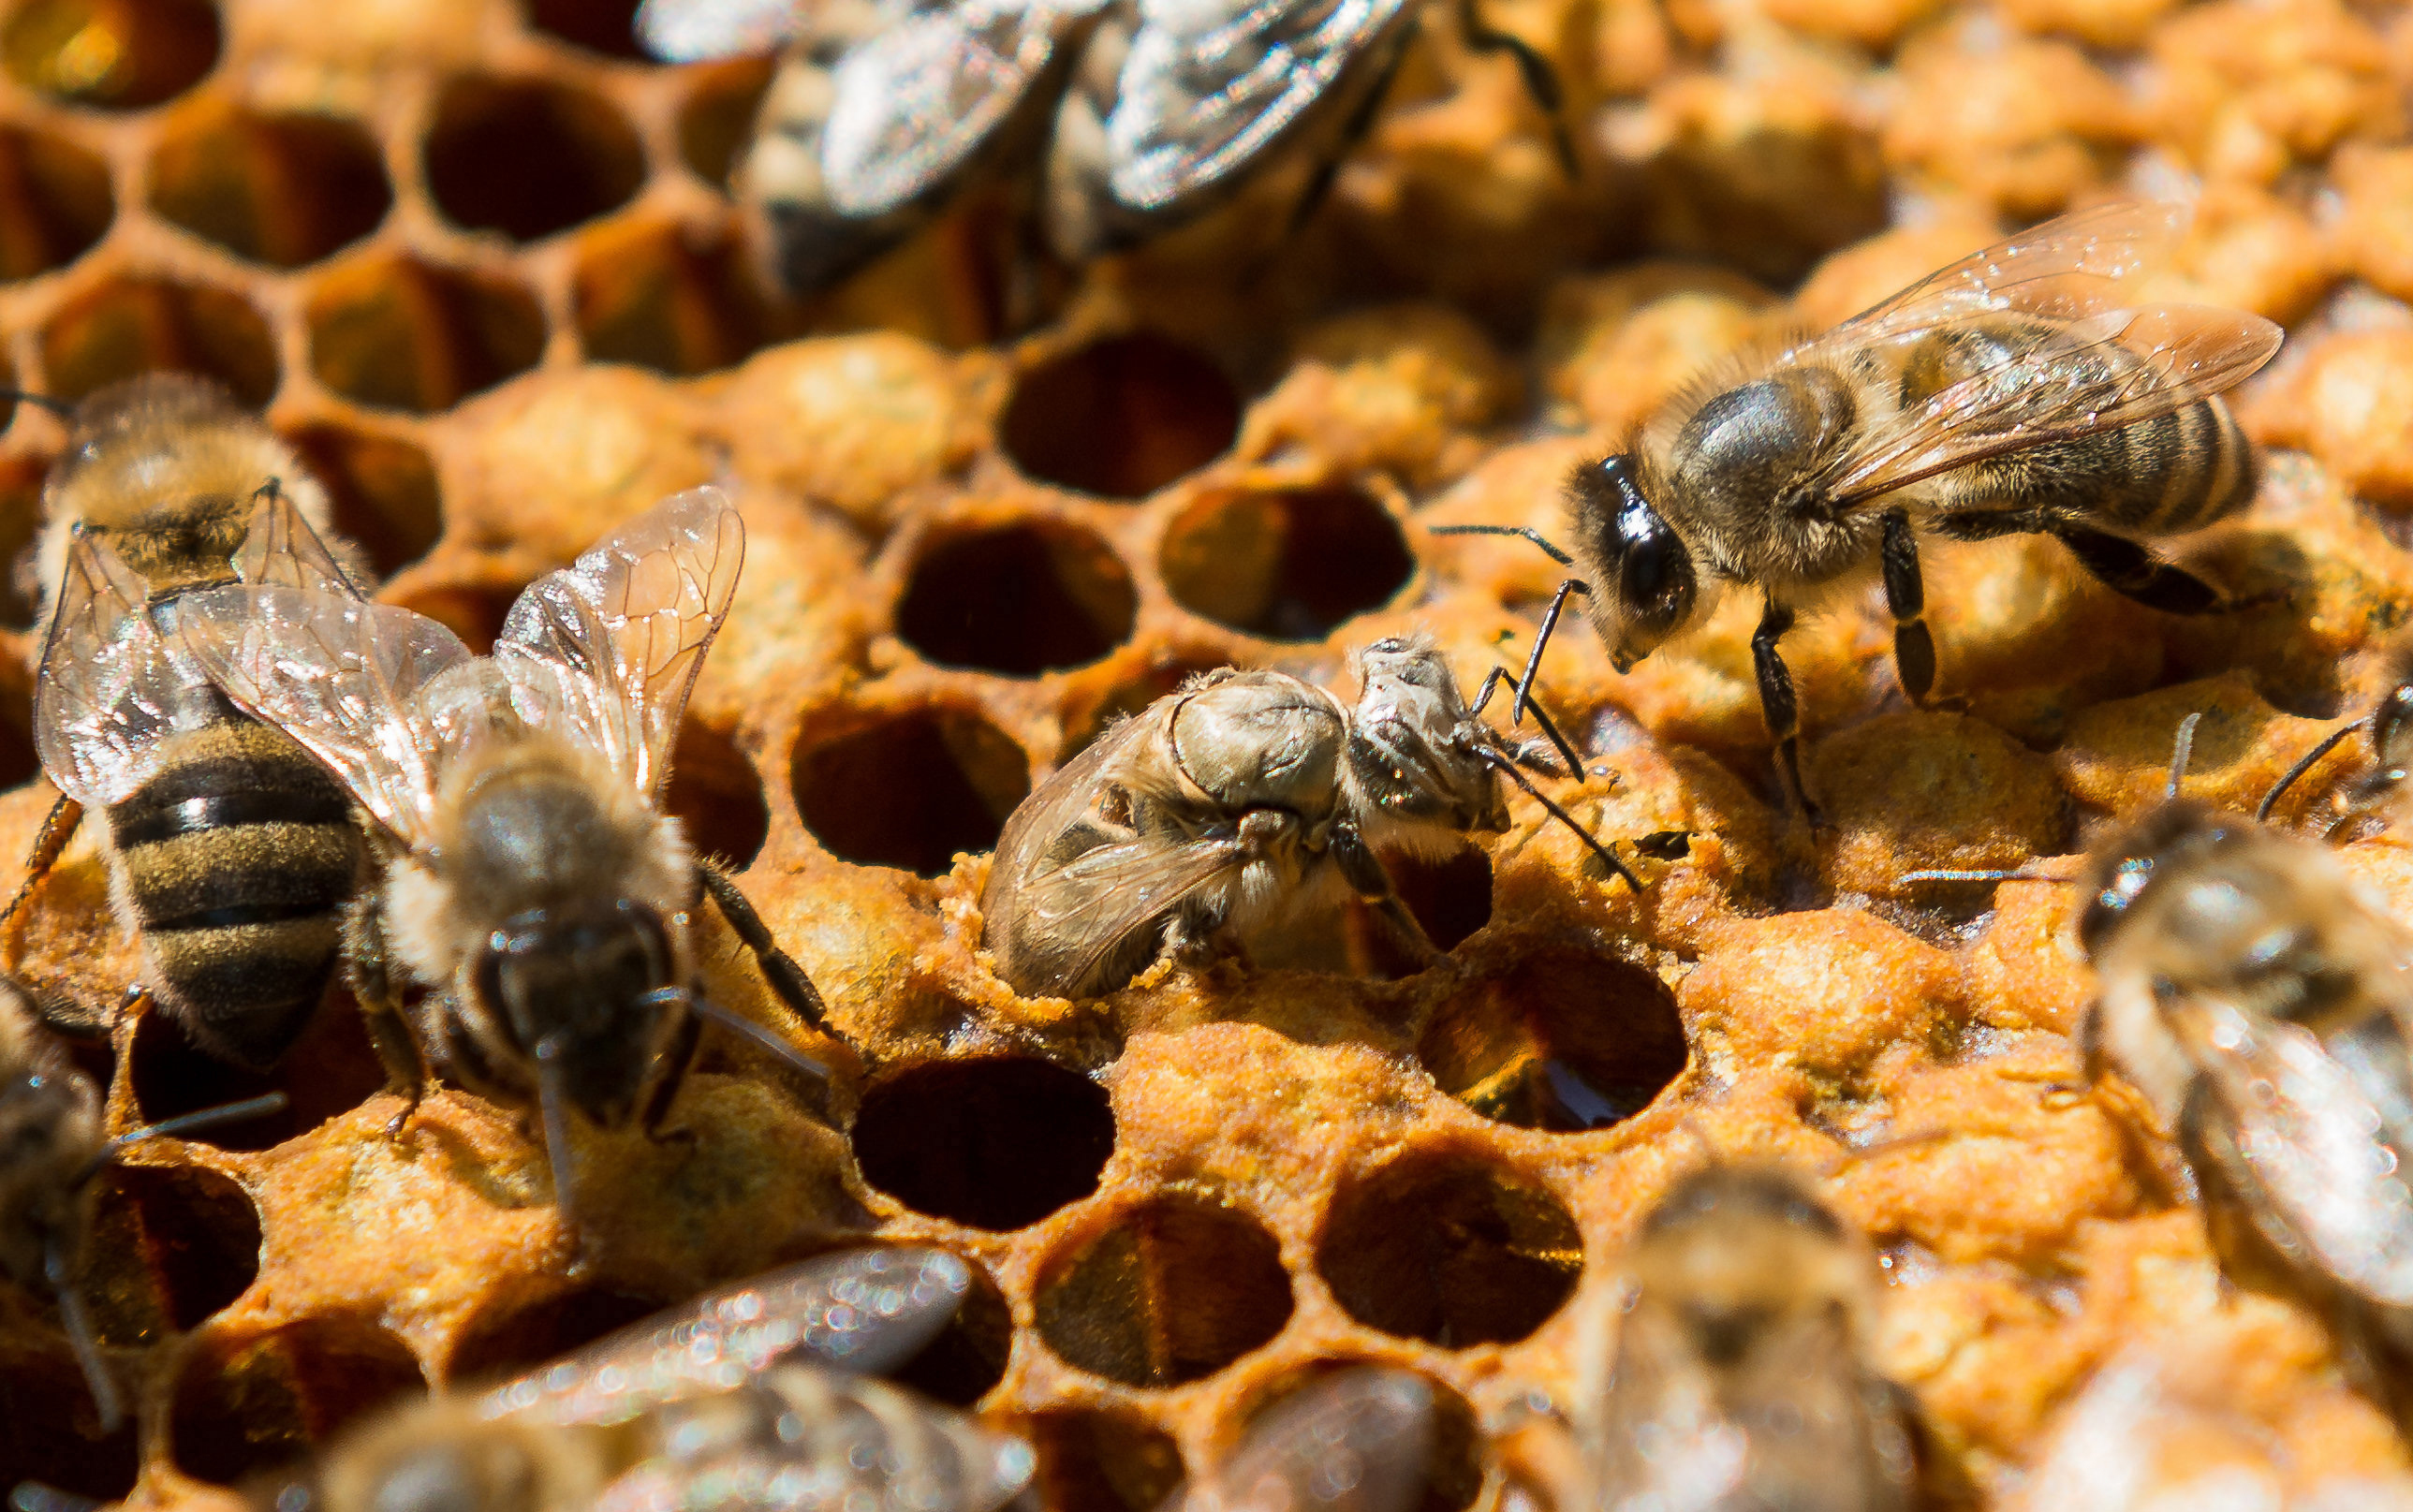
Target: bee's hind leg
<point>1777,705</point>
<point>1541,79</point>
<point>778,968</point>
<point>2130,570</point>
<point>1914,647</point>
<point>1363,872</point>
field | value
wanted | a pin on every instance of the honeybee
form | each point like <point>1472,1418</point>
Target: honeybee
<point>230,852</point>
<point>1146,113</point>
<point>1242,803</point>
<point>530,880</point>
<point>2390,723</point>
<point>2009,394</point>
<point>1740,1374</point>
<point>1356,1441</point>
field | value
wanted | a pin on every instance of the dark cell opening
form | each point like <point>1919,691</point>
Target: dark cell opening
<point>171,1245</point>
<point>1022,600</point>
<point>1451,1247</point>
<point>1174,1292</point>
<point>1451,897</point>
<point>116,54</point>
<point>332,1069</point>
<point>656,297</point>
<point>401,335</point>
<point>503,1342</point>
<point>719,116</point>
<point>49,1427</point>
<point>1121,417</point>
<point>381,491</point>
<point>1454,1460</point>
<point>246,1405</point>
<point>474,615</point>
<point>714,792</point>
<point>1084,722</point>
<point>1290,565</point>
<point>968,1357</point>
<point>528,158</point>
<point>279,189</point>
<point>995,1143</point>
<point>605,26</point>
<point>1565,1042</point>
<point>129,326</point>
<point>54,202</point>
<point>1100,1461</point>
<point>912,791</point>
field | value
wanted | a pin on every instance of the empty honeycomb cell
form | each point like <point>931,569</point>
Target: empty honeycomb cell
<point>1454,1459</point>
<point>666,297</point>
<point>969,1356</point>
<point>1086,719</point>
<point>1451,1246</point>
<point>1287,564</point>
<point>117,54</point>
<point>1121,417</point>
<point>248,1404</point>
<point>911,791</point>
<point>382,490</point>
<point>18,763</point>
<point>527,157</point>
<point>504,1342</point>
<point>1019,599</point>
<point>1566,1040</point>
<point>279,189</point>
<point>605,26</point>
<point>169,1246</point>
<point>995,1142</point>
<point>714,792</point>
<point>54,202</point>
<point>718,116</point>
<point>331,1068</point>
<point>1169,1292</point>
<point>474,615</point>
<point>48,1427</point>
<point>403,334</point>
<point>1451,897</point>
<point>131,325</point>
<point>1100,1461</point>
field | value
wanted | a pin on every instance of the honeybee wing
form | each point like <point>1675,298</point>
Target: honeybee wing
<point>867,1311</point>
<point>110,684</point>
<point>1354,1442</point>
<point>691,30</point>
<point>280,550</point>
<point>624,629</point>
<point>342,676</point>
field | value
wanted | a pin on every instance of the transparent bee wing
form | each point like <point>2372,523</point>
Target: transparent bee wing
<point>280,550</point>
<point>626,628</point>
<point>691,30</point>
<point>342,676</point>
<point>110,684</point>
<point>1079,912</point>
<point>1210,85</point>
<point>864,1310</point>
<point>916,101</point>
<point>1354,1442</point>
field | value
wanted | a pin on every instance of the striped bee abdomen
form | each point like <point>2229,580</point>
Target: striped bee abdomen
<point>236,858</point>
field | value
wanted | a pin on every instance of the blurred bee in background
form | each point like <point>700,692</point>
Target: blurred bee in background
<point>2007,394</point>
<point>1356,1440</point>
<point>230,852</point>
<point>1239,804</point>
<point>1133,117</point>
<point>2390,723</point>
<point>530,880</point>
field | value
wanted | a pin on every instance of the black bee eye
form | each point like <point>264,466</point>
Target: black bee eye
<point>1654,570</point>
<point>1650,559</point>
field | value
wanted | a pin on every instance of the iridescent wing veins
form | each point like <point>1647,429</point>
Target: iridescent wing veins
<point>1354,1442</point>
<point>111,684</point>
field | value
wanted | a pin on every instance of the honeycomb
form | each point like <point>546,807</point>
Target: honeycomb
<point>479,264</point>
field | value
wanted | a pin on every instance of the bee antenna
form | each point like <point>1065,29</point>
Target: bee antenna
<point>1607,855</point>
<point>35,1496</point>
<point>736,1023</point>
<point>208,1117</point>
<point>1892,1145</point>
<point>551,1108</point>
<point>63,409</point>
<point>1948,875</point>
<point>2305,763</point>
<point>108,1403</point>
<point>1521,532</point>
<point>2180,754</point>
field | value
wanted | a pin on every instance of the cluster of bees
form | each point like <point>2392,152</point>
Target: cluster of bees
<point>290,777</point>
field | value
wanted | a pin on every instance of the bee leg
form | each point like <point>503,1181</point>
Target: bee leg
<point>389,1034</point>
<point>2134,573</point>
<point>1491,681</point>
<point>1352,132</point>
<point>1541,638</point>
<point>1541,79</point>
<point>51,842</point>
<point>1777,704</point>
<point>778,968</point>
<point>1363,870</point>
<point>1914,648</point>
<point>670,1070</point>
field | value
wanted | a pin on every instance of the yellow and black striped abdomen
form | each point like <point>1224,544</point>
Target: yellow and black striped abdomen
<point>235,858</point>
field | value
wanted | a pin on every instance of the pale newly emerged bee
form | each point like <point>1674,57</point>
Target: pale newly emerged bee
<point>1356,1440</point>
<point>230,852</point>
<point>2012,392</point>
<point>1145,112</point>
<point>1739,1376</point>
<point>1237,805</point>
<point>532,883</point>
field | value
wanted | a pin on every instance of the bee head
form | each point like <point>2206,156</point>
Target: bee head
<point>2141,859</point>
<point>1646,589</point>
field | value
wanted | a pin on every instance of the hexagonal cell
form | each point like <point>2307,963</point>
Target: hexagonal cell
<point>48,1426</point>
<point>131,325</point>
<point>117,54</point>
<point>329,1070</point>
<point>1450,897</point>
<point>1451,1246</point>
<point>1566,1040</point>
<point>1022,598</point>
<point>1174,1291</point>
<point>1100,1461</point>
<point>997,1142</point>
<point>1120,418</point>
<point>718,116</point>
<point>527,157</point>
<point>968,1357</point>
<point>403,335</point>
<point>605,26</point>
<point>380,489</point>
<point>912,790</point>
<point>54,202</point>
<point>1289,565</point>
<point>1454,1460</point>
<point>251,1403</point>
<point>169,1246</point>
<point>660,297</point>
<point>714,791</point>
<point>279,189</point>
<point>506,1341</point>
<point>1085,721</point>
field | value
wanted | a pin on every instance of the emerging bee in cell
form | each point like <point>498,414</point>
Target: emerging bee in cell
<point>2010,394</point>
<point>1123,117</point>
<point>531,882</point>
<point>1240,805</point>
<point>230,852</point>
<point>1356,1440</point>
<point>1740,1374</point>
